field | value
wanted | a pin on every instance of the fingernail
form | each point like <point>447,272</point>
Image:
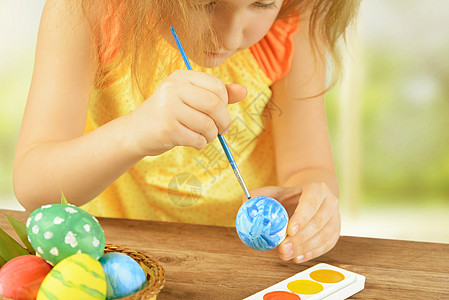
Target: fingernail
<point>295,229</point>
<point>289,255</point>
<point>299,258</point>
<point>225,131</point>
<point>288,246</point>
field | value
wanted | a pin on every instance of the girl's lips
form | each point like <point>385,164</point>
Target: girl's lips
<point>218,54</point>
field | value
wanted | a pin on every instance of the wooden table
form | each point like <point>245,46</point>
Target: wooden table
<point>210,262</point>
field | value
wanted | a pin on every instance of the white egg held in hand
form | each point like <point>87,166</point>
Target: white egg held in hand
<point>58,231</point>
<point>124,276</point>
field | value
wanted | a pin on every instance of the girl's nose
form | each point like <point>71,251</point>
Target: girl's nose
<point>231,34</point>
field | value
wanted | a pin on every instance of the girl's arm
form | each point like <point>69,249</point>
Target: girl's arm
<point>302,146</point>
<point>52,154</point>
<point>304,162</point>
<point>187,109</point>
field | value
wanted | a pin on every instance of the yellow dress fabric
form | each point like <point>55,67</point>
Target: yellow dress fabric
<point>184,184</point>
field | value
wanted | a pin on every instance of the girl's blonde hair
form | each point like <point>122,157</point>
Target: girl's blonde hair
<point>141,23</point>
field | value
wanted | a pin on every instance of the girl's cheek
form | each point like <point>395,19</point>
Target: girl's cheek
<point>257,26</point>
<point>256,33</point>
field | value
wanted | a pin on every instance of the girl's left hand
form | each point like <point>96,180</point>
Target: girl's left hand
<point>314,219</point>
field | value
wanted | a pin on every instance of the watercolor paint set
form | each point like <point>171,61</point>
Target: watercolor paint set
<point>321,281</point>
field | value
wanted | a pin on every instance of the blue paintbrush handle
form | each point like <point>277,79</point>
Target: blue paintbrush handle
<point>183,53</point>
<point>220,137</point>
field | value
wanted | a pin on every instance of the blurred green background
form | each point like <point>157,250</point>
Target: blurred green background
<point>388,120</point>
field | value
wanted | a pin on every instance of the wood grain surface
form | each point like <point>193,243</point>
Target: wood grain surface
<point>210,262</point>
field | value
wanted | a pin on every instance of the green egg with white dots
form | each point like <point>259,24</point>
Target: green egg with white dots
<point>57,231</point>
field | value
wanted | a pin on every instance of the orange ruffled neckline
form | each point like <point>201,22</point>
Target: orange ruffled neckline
<point>274,52</point>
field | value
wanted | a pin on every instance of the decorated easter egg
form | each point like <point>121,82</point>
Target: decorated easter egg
<point>79,276</point>
<point>261,223</point>
<point>57,231</point>
<point>124,276</point>
<point>21,277</point>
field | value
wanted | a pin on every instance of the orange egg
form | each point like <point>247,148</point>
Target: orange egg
<point>21,277</point>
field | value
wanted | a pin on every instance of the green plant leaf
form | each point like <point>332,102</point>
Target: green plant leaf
<point>21,231</point>
<point>63,199</point>
<point>9,248</point>
<point>2,261</point>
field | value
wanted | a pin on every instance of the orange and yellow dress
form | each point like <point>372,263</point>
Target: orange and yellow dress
<point>199,186</point>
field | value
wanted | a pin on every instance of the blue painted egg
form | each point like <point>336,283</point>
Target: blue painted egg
<point>124,276</point>
<point>261,223</point>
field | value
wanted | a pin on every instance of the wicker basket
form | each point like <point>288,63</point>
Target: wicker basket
<point>154,271</point>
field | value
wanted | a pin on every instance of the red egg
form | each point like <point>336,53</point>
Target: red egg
<point>21,277</point>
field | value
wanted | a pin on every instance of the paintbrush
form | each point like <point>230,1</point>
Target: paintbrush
<point>220,137</point>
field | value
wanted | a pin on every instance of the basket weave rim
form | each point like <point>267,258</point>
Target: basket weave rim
<point>155,285</point>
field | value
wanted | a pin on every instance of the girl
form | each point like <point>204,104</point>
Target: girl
<point>114,122</point>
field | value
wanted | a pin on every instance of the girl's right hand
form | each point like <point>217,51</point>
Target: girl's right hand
<point>187,109</point>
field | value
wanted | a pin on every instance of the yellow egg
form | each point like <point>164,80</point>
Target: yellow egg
<point>79,276</point>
